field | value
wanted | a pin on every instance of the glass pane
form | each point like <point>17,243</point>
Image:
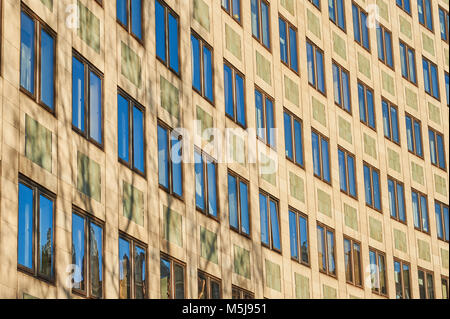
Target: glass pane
<point>264,219</point>
<point>245,221</point>
<point>342,171</point>
<point>178,272</point>
<point>288,136</point>
<point>380,43</point>
<point>215,290</point>
<point>136,18</point>
<point>316,154</point>
<point>403,60</point>
<point>96,259</point>
<point>293,49</point>
<point>428,14</point>
<point>199,181</point>
<point>212,199</point>
<point>356,26</point>
<point>386,121</point>
<point>346,91</point>
<point>376,189</point>
<point>398,280</point>
<point>122,13</point>
<point>438,213</point>
<point>27,54</point>
<point>232,202</point>
<point>163,159</point>
<point>325,160</point>
<point>265,24</point>
<point>207,73</point>
<point>123,128</point>
<point>426,76</point>
<point>332,10</point>
<point>330,251</point>
<point>270,122</point>
<point>362,103</point>
<point>293,234</point>
<point>275,225</point>
<point>406,283</point>
<point>47,69</point>
<point>177,164</point>
<point>124,269</point>
<point>348,260</point>
<point>388,43</point>
<point>401,203</point>
<point>368,185</point>
<point>336,85</point>
<point>46,236</point>
<point>370,108</point>
<point>424,211</point>
<point>240,100</point>
<point>160,30</point>
<point>283,41</point>
<point>78,252</point>
<point>430,286</point>
<point>25,228</point>
<point>415,208</point>
<point>321,248</point>
<point>196,71</point>
<point>260,131</point>
<point>95,107</point>
<point>358,264</point>
<point>298,142</point>
<point>409,134</point>
<point>341,14</point>
<point>365,31</point>
<point>373,271</point>
<point>440,149</point>
<point>434,81</point>
<point>237,9</point>
<point>164,279</point>
<point>446,222</point>
<point>422,289</point>
<point>304,239</point>
<point>320,71</point>
<point>78,102</point>
<point>139,272</point>
<point>138,139</point>
<point>202,287</point>
<point>392,200</point>
<point>351,175</point>
<point>255,18</point>
<point>173,44</point>
<point>311,71</point>
<point>394,122</point>
<point>412,65</point>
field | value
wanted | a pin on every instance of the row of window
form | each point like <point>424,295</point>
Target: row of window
<point>36,250</point>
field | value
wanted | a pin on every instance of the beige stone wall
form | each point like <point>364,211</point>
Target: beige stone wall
<point>63,161</point>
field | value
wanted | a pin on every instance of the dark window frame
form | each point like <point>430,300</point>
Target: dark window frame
<point>442,205</point>
<point>208,279</point>
<point>436,149</point>
<point>385,30</point>
<point>366,106</point>
<point>170,131</point>
<point>234,72</point>
<point>243,293</point>
<point>373,168</point>
<point>402,279</point>
<point>269,221</point>
<point>205,157</point>
<point>289,26</point>
<point>360,10</point>
<point>133,242</point>
<point>133,103</point>
<point>264,97</point>
<point>419,207</point>
<point>326,230</point>
<point>413,131</point>
<point>89,67</point>
<point>426,273</point>
<point>260,25</point>
<point>89,218</point>
<point>408,62</point>
<point>403,5</point>
<point>299,259</point>
<point>397,212</point>
<point>240,179</point>
<point>430,78</point>
<point>341,88</point>
<point>352,281</point>
<point>424,8</point>
<point>202,44</point>
<point>171,285</point>
<point>349,154</point>
<point>294,118</point>
<point>128,27</point>
<point>391,129</point>
<point>316,84</point>
<point>38,190</point>
<point>39,26</point>
<point>376,290</point>
<point>230,11</point>
<point>315,5</point>
<point>446,24</point>
<point>337,22</point>
<point>444,279</point>
<point>322,137</point>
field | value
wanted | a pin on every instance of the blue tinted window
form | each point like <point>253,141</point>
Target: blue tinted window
<point>264,219</point>
<point>366,106</point>
<point>270,123</point>
<point>274,224</point>
<point>177,160</point>
<point>341,87</point>
<point>416,209</point>
<point>342,170</point>
<point>163,157</point>
<point>316,154</point>
<point>440,150</point>
<point>401,202</point>
<point>365,31</point>
<point>321,248</point>
<point>293,49</point>
<point>336,12</point>
<point>361,32</point>
<point>96,260</point>
<point>265,24</point>
<point>212,196</point>
<point>405,5</point>
<point>337,85</point>
<point>394,124</point>
<point>418,138</point>
<point>293,234</point>
<point>311,67</point>
<point>439,226</point>
<point>437,152</point>
<point>362,103</point>
<point>424,213</point>
<point>376,189</point>
<point>174,63</point>
<point>298,134</point>
<point>370,108</point>
<point>207,69</point>
<point>320,71</point>
<point>27,52</point>
<point>386,119</point>
<point>78,251</point>
<point>196,71</point>
<point>234,94</point>
<point>255,18</point>
<point>283,41</point>
<point>47,69</point>
<point>160,30</point>
<point>368,185</point>
<point>240,100</point>
<point>122,11</point>
<point>136,18</point>
<point>25,227</point>
<point>245,218</point>
<point>288,136</point>
<point>139,272</point>
<point>356,24</point>
<point>260,129</point>
<point>228,89</point>
<point>304,246</point>
<point>138,139</point>
<point>233,202</point>
<point>447,87</point>
<point>124,268</point>
<point>78,99</point>
<point>351,175</point>
<point>95,107</point>
<point>123,130</point>
<point>325,160</point>
<point>45,249</point>
<point>321,158</point>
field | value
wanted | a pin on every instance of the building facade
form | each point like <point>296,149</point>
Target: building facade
<point>224,148</point>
